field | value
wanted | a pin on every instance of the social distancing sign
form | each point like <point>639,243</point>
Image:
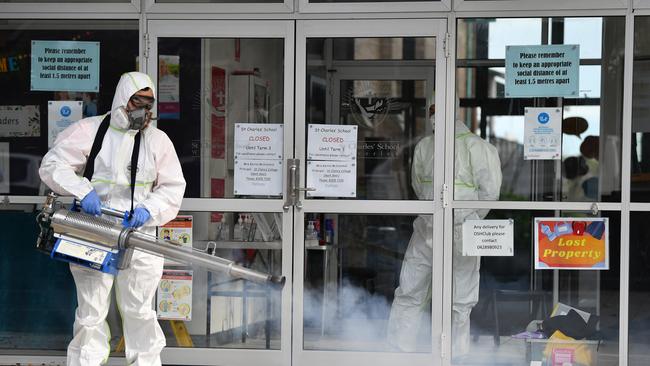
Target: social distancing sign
<point>65,66</point>
<point>542,71</point>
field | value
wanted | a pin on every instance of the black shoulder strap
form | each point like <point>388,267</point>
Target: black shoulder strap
<point>97,145</point>
<point>89,170</point>
<point>134,165</point>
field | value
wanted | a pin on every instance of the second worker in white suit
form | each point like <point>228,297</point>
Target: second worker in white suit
<point>477,176</point>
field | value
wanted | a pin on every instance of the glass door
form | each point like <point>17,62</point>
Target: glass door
<point>225,91</point>
<point>368,222</point>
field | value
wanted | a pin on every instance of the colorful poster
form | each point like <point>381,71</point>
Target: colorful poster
<point>542,71</point>
<point>60,115</point>
<point>542,133</point>
<point>169,106</point>
<point>65,66</point>
<point>178,230</point>
<point>488,238</point>
<point>4,167</point>
<point>174,297</point>
<point>20,121</point>
<point>572,243</point>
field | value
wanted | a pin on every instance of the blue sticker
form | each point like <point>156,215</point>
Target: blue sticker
<point>543,118</point>
<point>66,111</point>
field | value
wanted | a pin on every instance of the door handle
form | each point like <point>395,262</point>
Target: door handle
<point>293,191</point>
<point>308,189</point>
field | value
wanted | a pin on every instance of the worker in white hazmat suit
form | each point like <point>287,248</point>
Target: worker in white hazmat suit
<point>157,196</point>
<point>477,176</point>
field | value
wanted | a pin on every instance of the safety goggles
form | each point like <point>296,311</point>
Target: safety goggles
<point>141,101</point>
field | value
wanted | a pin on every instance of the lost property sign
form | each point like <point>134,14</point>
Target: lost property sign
<point>488,238</point>
<point>542,71</point>
<point>571,243</point>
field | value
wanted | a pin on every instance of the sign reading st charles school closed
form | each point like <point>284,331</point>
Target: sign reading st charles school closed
<point>572,243</point>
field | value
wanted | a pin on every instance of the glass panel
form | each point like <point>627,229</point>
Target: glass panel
<point>355,297</point>
<point>383,86</point>
<point>383,48</point>
<point>23,145</point>
<point>218,1</point>
<point>591,123</point>
<point>640,187</point>
<point>201,98</point>
<point>227,312</point>
<point>639,279</point>
<point>36,307</point>
<point>499,301</point>
<point>63,2</point>
<point>366,1</point>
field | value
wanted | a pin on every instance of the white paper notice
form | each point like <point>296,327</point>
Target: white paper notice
<point>258,177</point>
<point>20,121</point>
<point>332,178</point>
<point>60,115</point>
<point>259,141</point>
<point>332,142</point>
<point>174,300</point>
<point>488,238</point>
<point>543,134</point>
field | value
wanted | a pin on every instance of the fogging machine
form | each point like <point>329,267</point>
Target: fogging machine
<point>106,246</point>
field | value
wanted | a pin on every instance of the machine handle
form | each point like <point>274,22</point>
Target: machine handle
<point>113,212</point>
<point>105,210</point>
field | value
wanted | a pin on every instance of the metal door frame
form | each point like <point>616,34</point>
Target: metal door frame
<point>368,28</point>
<point>238,29</point>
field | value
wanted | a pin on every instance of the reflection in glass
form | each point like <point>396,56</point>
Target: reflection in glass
<point>640,163</point>
<point>509,297</point>
<point>352,276</point>
<point>201,99</point>
<point>384,48</point>
<point>347,84</point>
<point>591,123</point>
<point>639,322</point>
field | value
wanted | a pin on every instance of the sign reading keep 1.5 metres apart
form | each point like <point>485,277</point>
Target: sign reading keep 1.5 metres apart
<point>65,66</point>
<point>542,71</point>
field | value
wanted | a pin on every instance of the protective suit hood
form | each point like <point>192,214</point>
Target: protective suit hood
<point>461,128</point>
<point>128,85</point>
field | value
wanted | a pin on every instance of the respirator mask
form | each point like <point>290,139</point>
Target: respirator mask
<point>136,118</point>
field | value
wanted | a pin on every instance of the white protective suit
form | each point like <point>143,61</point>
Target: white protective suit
<point>477,177</point>
<point>159,188</point>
